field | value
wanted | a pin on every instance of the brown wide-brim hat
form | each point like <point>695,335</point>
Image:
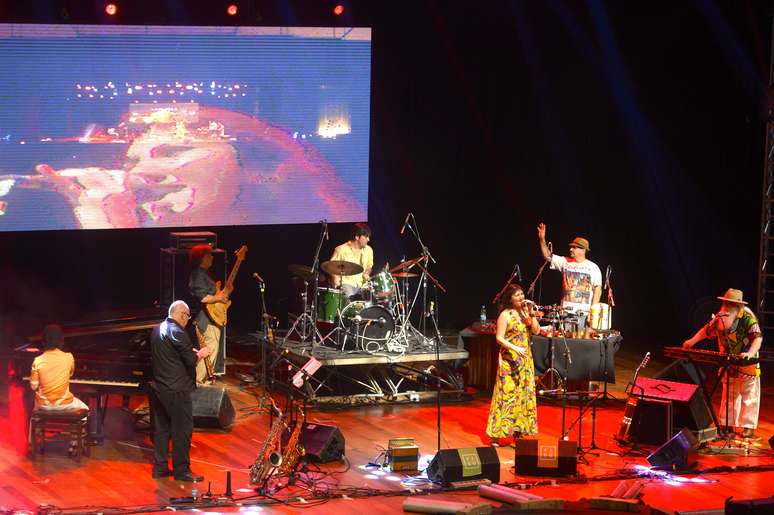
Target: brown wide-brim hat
<point>581,243</point>
<point>734,296</point>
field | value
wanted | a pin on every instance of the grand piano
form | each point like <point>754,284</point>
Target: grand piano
<point>112,357</point>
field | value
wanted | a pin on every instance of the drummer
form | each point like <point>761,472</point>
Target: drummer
<point>355,251</point>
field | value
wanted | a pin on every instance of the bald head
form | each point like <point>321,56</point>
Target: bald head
<point>179,312</point>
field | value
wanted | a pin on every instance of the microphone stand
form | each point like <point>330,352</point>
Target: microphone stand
<point>425,272</point>
<point>316,282</point>
<point>531,289</point>
<point>499,294</point>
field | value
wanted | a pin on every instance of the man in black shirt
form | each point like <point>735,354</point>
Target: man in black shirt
<point>174,361</point>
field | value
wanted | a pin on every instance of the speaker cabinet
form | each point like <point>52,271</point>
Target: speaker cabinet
<point>652,422</point>
<point>467,464</point>
<point>690,410</point>
<point>322,443</point>
<point>212,407</point>
<point>546,457</point>
<point>677,454</point>
<point>749,506</point>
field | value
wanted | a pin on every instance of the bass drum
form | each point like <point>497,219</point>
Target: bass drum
<point>368,322</point>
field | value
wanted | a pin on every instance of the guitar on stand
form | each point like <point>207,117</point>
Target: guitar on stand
<point>218,312</point>
<point>625,431</point>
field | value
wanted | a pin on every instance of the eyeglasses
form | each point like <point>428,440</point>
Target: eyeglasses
<point>187,313</point>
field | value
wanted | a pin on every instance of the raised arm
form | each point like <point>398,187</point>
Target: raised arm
<point>542,239</point>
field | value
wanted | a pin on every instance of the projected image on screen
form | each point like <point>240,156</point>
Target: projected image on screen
<point>118,127</point>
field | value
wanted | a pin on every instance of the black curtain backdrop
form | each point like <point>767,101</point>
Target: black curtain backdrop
<point>638,125</point>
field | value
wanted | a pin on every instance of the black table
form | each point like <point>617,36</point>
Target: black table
<point>591,359</point>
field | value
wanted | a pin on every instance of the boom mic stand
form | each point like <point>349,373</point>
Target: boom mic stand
<point>425,272</point>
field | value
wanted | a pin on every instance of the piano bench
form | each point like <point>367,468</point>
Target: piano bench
<point>65,425</point>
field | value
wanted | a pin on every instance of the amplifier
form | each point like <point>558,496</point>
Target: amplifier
<point>186,240</point>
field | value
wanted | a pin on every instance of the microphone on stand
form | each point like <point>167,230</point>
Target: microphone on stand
<point>608,271</point>
<point>258,277</point>
<point>518,272</point>
<point>325,227</point>
<point>405,222</point>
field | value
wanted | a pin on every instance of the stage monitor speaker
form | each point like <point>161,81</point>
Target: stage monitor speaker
<point>689,407</point>
<point>749,506</point>
<point>450,465</point>
<point>677,454</point>
<point>212,407</point>
<point>771,442</point>
<point>546,457</point>
<point>322,443</point>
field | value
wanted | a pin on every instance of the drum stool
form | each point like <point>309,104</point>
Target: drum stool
<point>52,425</point>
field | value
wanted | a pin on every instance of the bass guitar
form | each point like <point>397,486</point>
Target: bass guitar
<point>218,311</point>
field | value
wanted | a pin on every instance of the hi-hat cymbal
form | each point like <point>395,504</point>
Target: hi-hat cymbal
<point>342,268</point>
<point>302,271</point>
<point>405,274</point>
<point>406,264</point>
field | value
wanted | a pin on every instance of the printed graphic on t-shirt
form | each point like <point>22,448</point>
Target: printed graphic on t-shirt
<point>577,287</point>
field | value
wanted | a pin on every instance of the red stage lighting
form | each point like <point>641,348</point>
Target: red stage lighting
<point>338,10</point>
<point>111,9</point>
<point>232,10</point>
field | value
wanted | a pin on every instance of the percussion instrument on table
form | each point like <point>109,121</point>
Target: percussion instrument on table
<point>601,317</point>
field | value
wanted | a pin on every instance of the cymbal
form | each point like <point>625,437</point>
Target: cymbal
<point>406,264</point>
<point>302,271</point>
<point>405,274</point>
<point>342,268</point>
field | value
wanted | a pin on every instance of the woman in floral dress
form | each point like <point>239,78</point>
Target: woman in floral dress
<point>514,408</point>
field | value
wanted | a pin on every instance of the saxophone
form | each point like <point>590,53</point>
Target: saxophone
<point>268,458</point>
<point>294,451</point>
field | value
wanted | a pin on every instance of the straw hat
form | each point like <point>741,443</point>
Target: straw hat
<point>581,243</point>
<point>734,296</point>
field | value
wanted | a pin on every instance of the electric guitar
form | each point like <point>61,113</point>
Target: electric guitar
<point>218,311</point>
<point>624,432</point>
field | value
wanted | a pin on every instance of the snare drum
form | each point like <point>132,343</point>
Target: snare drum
<point>383,286</point>
<point>329,302</point>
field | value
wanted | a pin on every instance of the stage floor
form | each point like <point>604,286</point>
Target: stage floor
<point>118,473</point>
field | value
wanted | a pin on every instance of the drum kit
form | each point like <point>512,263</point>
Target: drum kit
<point>374,320</point>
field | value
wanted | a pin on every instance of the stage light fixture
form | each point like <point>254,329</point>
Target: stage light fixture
<point>338,10</point>
<point>232,10</point>
<point>111,9</point>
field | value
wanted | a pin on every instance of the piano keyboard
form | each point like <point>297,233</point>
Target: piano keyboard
<point>96,382</point>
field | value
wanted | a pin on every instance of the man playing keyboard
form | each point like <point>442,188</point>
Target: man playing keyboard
<point>738,333</point>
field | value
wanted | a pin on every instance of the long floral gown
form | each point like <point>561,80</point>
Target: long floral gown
<point>514,407</point>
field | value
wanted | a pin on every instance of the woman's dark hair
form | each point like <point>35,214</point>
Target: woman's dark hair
<point>505,298</point>
<point>53,336</point>
<point>361,230</point>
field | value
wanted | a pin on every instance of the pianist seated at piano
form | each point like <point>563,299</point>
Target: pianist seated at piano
<point>737,331</point>
<point>51,373</point>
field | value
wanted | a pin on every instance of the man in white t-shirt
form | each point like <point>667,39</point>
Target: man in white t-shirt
<point>582,282</point>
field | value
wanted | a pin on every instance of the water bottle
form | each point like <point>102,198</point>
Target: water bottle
<point>482,318</point>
